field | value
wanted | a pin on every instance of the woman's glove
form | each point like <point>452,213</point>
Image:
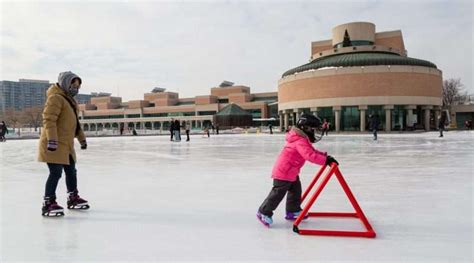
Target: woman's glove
<point>83,145</point>
<point>52,145</point>
<point>330,160</point>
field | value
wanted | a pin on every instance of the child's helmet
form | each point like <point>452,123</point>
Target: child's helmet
<point>311,125</point>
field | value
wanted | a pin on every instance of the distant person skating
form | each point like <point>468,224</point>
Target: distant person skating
<point>468,124</point>
<point>206,131</point>
<point>212,127</point>
<point>325,127</point>
<point>121,129</point>
<point>374,122</point>
<point>217,129</point>
<point>187,127</point>
<point>270,126</point>
<point>134,132</point>
<point>177,131</point>
<point>285,174</point>
<point>56,146</point>
<point>172,125</point>
<point>441,124</point>
<point>3,131</point>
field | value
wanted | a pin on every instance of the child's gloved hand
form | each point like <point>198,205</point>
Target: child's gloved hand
<point>330,160</point>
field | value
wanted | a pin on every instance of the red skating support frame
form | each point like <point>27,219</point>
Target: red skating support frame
<point>334,170</point>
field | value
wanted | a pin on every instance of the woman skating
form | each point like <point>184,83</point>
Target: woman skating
<point>56,147</point>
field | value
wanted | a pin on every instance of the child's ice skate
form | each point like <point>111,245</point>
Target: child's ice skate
<point>74,201</point>
<point>51,208</point>
<point>294,215</point>
<point>265,220</point>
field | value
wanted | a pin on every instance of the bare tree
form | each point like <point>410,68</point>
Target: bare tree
<point>453,91</point>
<point>13,118</point>
<point>33,116</point>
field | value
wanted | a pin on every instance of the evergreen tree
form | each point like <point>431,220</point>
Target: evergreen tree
<point>347,40</point>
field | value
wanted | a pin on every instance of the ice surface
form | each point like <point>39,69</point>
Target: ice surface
<point>152,199</point>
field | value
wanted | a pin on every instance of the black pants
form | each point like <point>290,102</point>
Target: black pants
<point>187,135</point>
<point>55,171</point>
<point>375,134</point>
<point>171,134</point>
<point>280,188</point>
<point>441,132</point>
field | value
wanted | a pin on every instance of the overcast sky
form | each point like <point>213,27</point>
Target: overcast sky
<point>127,48</point>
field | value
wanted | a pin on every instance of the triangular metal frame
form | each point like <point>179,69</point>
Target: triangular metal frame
<point>334,170</point>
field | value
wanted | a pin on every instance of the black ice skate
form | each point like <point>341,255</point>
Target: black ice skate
<point>74,201</point>
<point>51,208</point>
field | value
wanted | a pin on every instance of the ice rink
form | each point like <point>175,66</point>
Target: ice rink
<point>152,199</point>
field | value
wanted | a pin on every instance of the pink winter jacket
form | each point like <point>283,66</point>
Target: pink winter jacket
<point>297,150</point>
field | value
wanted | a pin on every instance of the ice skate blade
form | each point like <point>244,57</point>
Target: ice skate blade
<point>53,214</point>
<point>79,207</point>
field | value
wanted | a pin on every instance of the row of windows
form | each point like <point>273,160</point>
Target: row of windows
<point>350,117</point>
<point>171,114</point>
<point>22,95</point>
<point>103,117</point>
<point>356,43</point>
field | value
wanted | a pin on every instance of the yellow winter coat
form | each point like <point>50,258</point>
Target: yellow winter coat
<point>59,124</point>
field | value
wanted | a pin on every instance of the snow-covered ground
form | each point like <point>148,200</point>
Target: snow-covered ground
<point>152,199</point>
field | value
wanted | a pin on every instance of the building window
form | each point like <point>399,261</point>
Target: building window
<point>185,103</point>
<point>273,111</point>
<point>266,99</point>
<point>179,114</point>
<point>103,117</point>
<point>223,100</point>
<point>350,118</point>
<point>155,115</point>
<point>356,43</point>
<point>206,113</point>
<point>399,118</point>
<point>256,113</point>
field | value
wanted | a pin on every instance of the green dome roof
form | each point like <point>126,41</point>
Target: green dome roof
<point>360,59</point>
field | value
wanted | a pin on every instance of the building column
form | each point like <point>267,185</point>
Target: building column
<point>362,110</point>
<point>280,117</point>
<point>388,117</point>
<point>286,117</point>
<point>427,110</point>
<point>294,115</point>
<point>337,117</point>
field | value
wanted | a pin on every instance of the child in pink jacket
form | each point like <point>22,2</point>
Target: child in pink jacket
<point>297,151</point>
